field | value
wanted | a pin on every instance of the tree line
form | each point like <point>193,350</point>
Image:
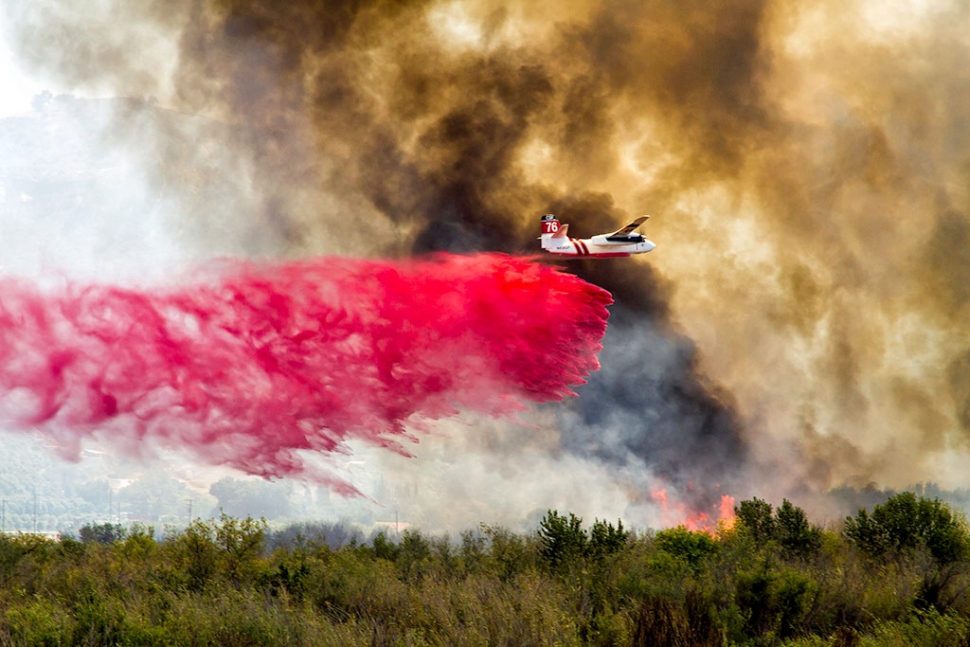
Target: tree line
<point>894,575</point>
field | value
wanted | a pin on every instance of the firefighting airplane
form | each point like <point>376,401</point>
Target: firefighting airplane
<point>620,243</point>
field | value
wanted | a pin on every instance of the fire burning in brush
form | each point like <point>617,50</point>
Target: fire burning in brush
<point>719,516</point>
<point>258,362</point>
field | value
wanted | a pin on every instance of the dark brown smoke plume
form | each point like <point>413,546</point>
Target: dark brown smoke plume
<point>805,166</point>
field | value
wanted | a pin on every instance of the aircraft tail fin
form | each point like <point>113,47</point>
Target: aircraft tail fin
<point>551,229</point>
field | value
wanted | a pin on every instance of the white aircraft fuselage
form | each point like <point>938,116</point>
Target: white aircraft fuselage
<point>620,243</point>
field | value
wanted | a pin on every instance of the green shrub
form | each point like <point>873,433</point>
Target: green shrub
<point>754,516</point>
<point>796,536</point>
<point>106,533</point>
<point>691,546</point>
<point>38,621</point>
<point>926,628</point>
<point>907,522</point>
<point>562,539</point>
<point>788,526</point>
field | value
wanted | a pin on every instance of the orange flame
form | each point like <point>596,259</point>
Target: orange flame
<point>720,517</point>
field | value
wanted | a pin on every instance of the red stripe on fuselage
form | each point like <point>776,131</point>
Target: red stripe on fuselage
<point>580,247</point>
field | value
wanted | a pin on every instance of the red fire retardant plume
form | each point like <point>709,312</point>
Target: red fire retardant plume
<point>256,362</point>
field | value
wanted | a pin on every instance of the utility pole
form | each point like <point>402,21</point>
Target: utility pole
<point>35,511</point>
<point>190,510</point>
<point>3,523</point>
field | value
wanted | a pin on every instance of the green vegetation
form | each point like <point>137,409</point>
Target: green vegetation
<point>897,575</point>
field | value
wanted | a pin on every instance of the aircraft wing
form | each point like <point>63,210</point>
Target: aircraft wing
<point>629,228</point>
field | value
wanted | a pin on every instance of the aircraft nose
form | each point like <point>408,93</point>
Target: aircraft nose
<point>648,245</point>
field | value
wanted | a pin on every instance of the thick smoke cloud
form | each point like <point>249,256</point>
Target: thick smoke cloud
<point>434,136</point>
<point>805,167</point>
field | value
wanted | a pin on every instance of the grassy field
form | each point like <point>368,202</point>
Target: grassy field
<point>897,575</point>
